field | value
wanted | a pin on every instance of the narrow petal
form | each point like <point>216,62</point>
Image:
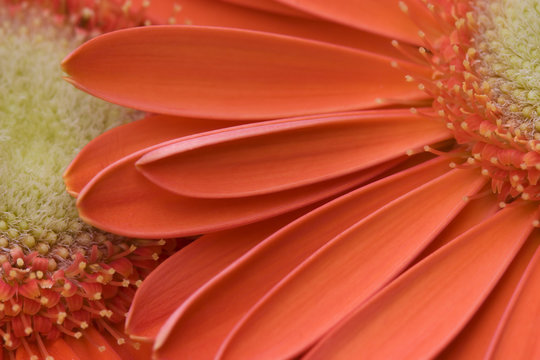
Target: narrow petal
<point>473,342</point>
<point>231,74</point>
<point>133,351</point>
<point>382,16</point>
<point>517,335</point>
<point>60,350</point>
<point>473,214</point>
<point>279,155</point>
<point>269,6</point>
<point>92,346</point>
<point>458,278</point>
<point>126,139</point>
<point>219,13</point>
<point>192,330</point>
<point>348,270</point>
<point>172,282</point>
<point>156,213</point>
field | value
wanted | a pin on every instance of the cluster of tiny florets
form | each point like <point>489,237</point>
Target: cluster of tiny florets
<point>473,104</point>
<point>58,275</point>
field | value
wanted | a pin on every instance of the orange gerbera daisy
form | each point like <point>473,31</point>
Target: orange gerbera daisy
<point>365,174</point>
<point>64,286</point>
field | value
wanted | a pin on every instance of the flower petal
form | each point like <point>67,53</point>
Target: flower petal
<point>473,214</point>
<point>219,13</point>
<point>348,270</point>
<point>60,350</point>
<point>192,328</point>
<point>92,345</point>
<point>269,6</point>
<point>126,139</point>
<point>156,213</point>
<point>382,16</point>
<point>473,342</point>
<point>231,74</point>
<point>517,335</point>
<point>457,279</point>
<point>172,282</point>
<point>266,157</point>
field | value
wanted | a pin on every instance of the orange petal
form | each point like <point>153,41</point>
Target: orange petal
<point>60,350</point>
<point>279,155</point>
<point>420,312</point>
<point>473,342</point>
<point>131,351</point>
<point>219,13</point>
<point>167,287</point>
<point>92,345</point>
<point>126,139</point>
<point>22,354</point>
<point>269,6</point>
<point>517,335</point>
<point>191,330</point>
<point>231,74</point>
<point>121,200</point>
<point>383,17</point>
<point>473,214</point>
<point>348,270</point>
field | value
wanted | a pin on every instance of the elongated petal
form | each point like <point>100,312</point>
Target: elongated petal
<point>280,155</point>
<point>517,335</point>
<point>473,214</point>
<point>231,74</point>
<point>348,270</point>
<point>171,283</point>
<point>133,351</point>
<point>269,6</point>
<point>126,139</point>
<point>473,342</point>
<point>219,13</point>
<point>156,213</point>
<point>383,16</point>
<point>92,346</point>
<point>60,350</point>
<point>191,329</point>
<point>458,278</point>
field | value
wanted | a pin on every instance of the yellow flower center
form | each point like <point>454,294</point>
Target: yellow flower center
<point>58,275</point>
<point>508,40</point>
<point>485,87</point>
<point>43,124</point>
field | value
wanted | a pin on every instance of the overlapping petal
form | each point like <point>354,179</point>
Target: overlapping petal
<point>124,140</point>
<point>189,331</point>
<point>157,213</point>
<point>167,288</point>
<point>384,17</point>
<point>232,74</point>
<point>281,155</point>
<point>517,335</point>
<point>474,341</point>
<point>436,297</point>
<point>221,14</point>
<point>347,271</point>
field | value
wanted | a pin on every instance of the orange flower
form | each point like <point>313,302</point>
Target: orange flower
<point>365,175</point>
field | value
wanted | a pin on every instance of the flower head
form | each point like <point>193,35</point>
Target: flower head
<point>65,287</point>
<point>377,194</point>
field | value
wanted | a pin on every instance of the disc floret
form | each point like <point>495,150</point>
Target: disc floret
<point>485,92</point>
<point>58,276</point>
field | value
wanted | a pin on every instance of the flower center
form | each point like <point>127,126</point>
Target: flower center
<point>485,84</point>
<point>57,275</point>
<point>43,124</point>
<point>508,41</point>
